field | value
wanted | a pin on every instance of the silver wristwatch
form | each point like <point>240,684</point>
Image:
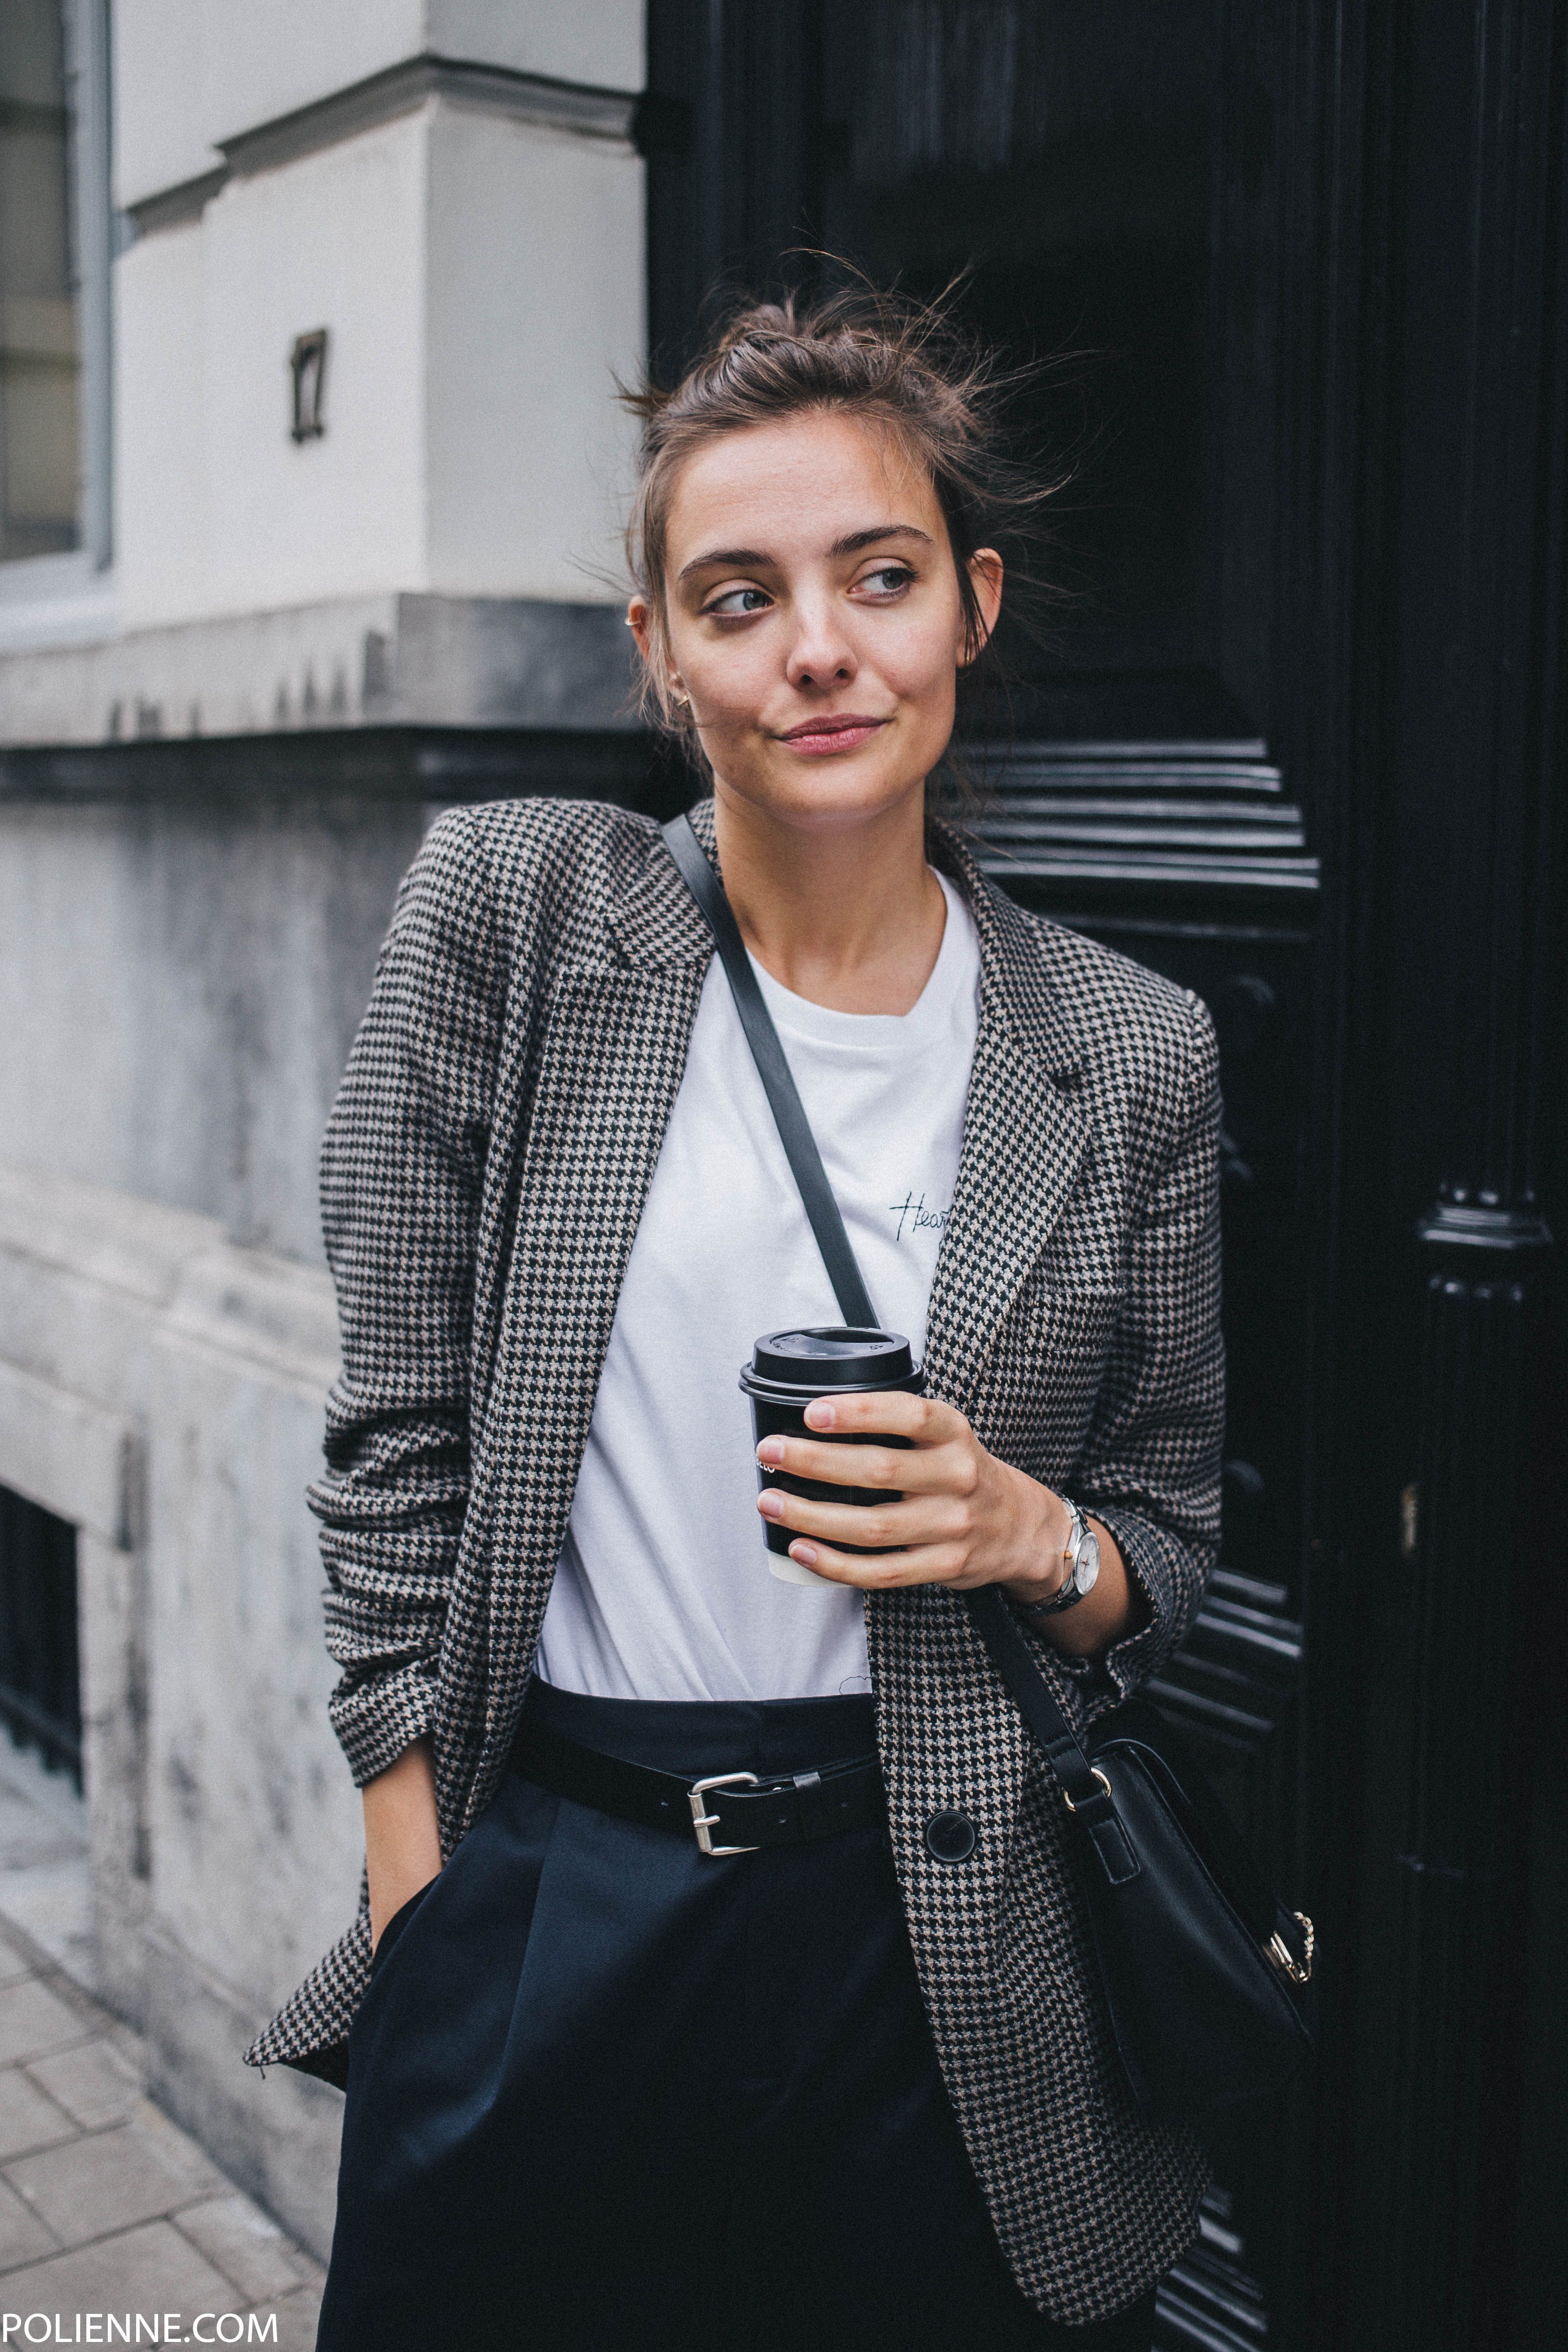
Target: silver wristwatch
<point>1083,1568</point>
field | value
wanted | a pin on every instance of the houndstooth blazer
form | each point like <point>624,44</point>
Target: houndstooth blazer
<point>483,1175</point>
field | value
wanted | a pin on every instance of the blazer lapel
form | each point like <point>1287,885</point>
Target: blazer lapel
<point>1024,1137</point>
<point>1022,1140</point>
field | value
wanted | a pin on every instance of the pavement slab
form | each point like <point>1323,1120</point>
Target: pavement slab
<point>106,2205</point>
<point>298,2316</point>
<point>29,2119</point>
<point>101,2181</point>
<point>23,2236</point>
<point>34,2020</point>
<point>95,2084</point>
<point>250,2250</point>
<point>147,2270</point>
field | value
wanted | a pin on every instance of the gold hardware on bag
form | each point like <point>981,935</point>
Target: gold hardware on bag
<point>1099,1776</point>
<point>1300,1971</point>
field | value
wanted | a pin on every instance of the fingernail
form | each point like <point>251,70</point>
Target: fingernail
<point>769,1505</point>
<point>803,1554</point>
<point>770,1451</point>
<point>819,1415</point>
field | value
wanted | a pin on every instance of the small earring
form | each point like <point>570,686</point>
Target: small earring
<point>682,696</point>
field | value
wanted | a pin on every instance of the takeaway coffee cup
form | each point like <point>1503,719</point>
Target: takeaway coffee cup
<point>787,1370</point>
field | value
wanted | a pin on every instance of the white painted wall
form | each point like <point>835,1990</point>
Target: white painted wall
<point>482,283</point>
<point>218,511</point>
<point>162,135</point>
<point>159,412</point>
<point>596,41</point>
<point>336,239</point>
<point>536,305</point>
<point>276,55</point>
<point>190,72</point>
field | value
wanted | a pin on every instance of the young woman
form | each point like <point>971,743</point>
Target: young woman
<point>853,2086</point>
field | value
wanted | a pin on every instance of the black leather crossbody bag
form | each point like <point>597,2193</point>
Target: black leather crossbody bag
<point>1205,1972</point>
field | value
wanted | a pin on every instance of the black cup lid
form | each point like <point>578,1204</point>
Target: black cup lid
<point>831,1356</point>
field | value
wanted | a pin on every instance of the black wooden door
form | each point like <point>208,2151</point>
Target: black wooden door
<point>1108,178</point>
<point>1292,736</point>
<point>1190,859</point>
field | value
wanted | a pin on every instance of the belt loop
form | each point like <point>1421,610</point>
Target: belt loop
<point>808,1797</point>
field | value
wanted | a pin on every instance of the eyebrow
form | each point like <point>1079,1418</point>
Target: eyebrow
<point>752,559</point>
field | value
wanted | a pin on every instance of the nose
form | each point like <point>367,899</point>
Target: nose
<point>820,653</point>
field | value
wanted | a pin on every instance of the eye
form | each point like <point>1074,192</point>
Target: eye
<point>887,580</point>
<point>735,603</point>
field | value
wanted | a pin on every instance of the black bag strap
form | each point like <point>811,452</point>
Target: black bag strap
<point>992,1618</point>
<point>783,1099</point>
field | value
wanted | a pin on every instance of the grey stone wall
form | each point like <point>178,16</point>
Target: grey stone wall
<point>162,1389</point>
<point>180,983</point>
<point>355,661</point>
<point>188,934</point>
<point>180,976</point>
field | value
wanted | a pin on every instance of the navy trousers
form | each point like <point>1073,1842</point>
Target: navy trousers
<point>606,2092</point>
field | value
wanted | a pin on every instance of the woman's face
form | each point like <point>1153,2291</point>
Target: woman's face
<point>814,617</point>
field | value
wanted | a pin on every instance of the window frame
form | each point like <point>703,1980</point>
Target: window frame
<point>65,598</point>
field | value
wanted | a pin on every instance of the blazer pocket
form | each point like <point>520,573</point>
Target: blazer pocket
<point>1047,1368</point>
<point>1068,1323</point>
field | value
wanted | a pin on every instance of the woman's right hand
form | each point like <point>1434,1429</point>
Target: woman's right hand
<point>402,1840</point>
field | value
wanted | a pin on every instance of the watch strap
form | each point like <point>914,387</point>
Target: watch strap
<point>1069,1592</point>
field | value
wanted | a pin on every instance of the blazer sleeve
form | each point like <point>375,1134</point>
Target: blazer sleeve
<point>402,1173</point>
<point>1150,1467</point>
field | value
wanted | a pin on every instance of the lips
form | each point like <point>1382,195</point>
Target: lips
<point>841,732</point>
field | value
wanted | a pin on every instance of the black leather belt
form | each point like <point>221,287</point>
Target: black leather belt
<point>728,1812</point>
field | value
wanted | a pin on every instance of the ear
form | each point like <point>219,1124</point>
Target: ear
<point>985,578</point>
<point>640,621</point>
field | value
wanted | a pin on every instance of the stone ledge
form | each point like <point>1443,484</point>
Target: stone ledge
<point>98,1234</point>
<point>543,101</point>
<point>267,1312</point>
<point>393,660</point>
<point>280,1317</point>
<point>70,1456</point>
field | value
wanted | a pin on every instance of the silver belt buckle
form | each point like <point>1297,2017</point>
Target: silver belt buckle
<point>704,1822</point>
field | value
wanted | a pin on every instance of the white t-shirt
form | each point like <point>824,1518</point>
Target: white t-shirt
<point>663,1590</point>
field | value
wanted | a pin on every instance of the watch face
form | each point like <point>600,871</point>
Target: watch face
<point>1088,1561</point>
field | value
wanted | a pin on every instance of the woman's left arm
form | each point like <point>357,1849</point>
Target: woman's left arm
<point>1149,1473</point>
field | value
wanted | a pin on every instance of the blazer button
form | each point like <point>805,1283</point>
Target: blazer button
<point>950,1837</point>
